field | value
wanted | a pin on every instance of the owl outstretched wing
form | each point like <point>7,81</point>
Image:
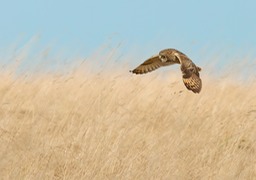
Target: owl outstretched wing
<point>193,83</point>
<point>151,64</point>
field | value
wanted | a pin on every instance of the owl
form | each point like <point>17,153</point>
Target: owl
<point>166,57</point>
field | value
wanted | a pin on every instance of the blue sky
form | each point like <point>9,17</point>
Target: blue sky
<point>80,27</point>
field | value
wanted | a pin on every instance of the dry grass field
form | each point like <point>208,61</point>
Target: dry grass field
<point>114,125</point>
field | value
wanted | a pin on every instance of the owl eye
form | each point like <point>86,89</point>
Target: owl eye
<point>162,57</point>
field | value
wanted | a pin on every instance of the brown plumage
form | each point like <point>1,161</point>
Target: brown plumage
<point>190,72</point>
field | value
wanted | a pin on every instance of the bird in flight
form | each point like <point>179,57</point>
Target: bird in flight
<point>166,57</point>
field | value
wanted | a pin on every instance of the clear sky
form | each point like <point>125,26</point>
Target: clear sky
<point>81,26</point>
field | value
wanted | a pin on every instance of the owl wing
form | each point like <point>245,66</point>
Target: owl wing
<point>193,82</point>
<point>151,64</point>
<point>191,76</point>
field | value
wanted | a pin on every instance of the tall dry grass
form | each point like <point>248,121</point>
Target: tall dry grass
<point>115,125</point>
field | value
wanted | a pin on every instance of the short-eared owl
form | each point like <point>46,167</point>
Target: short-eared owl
<point>190,72</point>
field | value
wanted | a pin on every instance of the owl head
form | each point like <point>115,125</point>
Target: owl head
<point>165,56</point>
